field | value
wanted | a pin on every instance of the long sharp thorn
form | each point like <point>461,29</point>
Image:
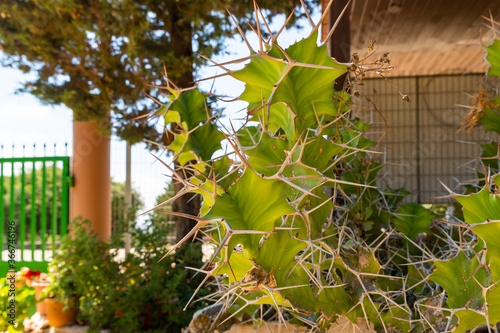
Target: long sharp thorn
<point>240,31</point>
<point>258,26</point>
<point>299,188</point>
<point>239,60</point>
<point>184,239</point>
<point>330,33</point>
<point>198,289</point>
<point>214,77</point>
<point>289,156</point>
<point>251,27</point>
<point>192,217</point>
<point>326,11</point>
<point>235,136</point>
<point>277,307</point>
<point>236,150</point>
<point>267,26</point>
<point>446,187</point>
<point>213,62</point>
<point>216,253</point>
<point>179,178</point>
<point>307,13</point>
<point>178,195</point>
<point>284,24</point>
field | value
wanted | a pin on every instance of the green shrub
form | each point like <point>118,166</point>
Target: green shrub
<point>24,301</point>
<point>129,294</point>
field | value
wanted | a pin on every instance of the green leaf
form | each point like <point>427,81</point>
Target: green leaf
<point>358,173</point>
<point>493,298</point>
<point>202,142</point>
<point>354,136</point>
<point>480,206</point>
<point>267,157</point>
<point>278,252</point>
<point>470,319</point>
<point>318,153</point>
<point>413,220</point>
<point>489,233</point>
<point>306,91</point>
<point>490,150</point>
<point>223,173</point>
<point>205,191</point>
<point>198,136</point>
<point>455,277</point>
<point>260,75</point>
<point>396,318</point>
<point>188,107</point>
<point>394,197</point>
<point>280,116</point>
<point>240,265</point>
<point>366,262</point>
<point>493,58</point>
<point>248,136</point>
<point>491,118</point>
<point>316,210</point>
<point>415,277</point>
<point>252,203</point>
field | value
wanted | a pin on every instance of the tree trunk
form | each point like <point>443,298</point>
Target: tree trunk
<point>181,39</point>
<point>91,193</point>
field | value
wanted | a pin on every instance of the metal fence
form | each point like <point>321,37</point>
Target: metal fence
<point>43,179</point>
<point>150,177</point>
<point>35,194</point>
<point>421,140</point>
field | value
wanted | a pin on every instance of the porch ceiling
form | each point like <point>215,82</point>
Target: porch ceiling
<point>425,37</point>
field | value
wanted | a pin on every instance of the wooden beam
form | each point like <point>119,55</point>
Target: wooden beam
<point>340,42</point>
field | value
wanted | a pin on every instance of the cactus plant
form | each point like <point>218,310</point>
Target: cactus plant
<point>295,215</point>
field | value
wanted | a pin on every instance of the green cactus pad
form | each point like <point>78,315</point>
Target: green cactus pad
<point>480,206</point>
<point>493,58</point>
<point>252,203</point>
<point>455,277</point>
<point>413,220</point>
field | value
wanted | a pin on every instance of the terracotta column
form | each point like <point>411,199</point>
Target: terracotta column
<point>91,193</point>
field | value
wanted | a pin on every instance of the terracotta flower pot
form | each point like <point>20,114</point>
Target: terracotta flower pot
<point>55,314</point>
<point>41,308</point>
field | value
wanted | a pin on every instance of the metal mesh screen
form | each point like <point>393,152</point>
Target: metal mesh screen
<point>421,144</point>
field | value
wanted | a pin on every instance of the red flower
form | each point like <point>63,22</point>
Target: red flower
<point>29,274</point>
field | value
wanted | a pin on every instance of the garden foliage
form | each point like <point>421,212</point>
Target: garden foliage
<point>126,294</point>
<point>24,301</point>
<point>293,209</point>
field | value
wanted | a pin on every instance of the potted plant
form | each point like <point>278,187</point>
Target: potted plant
<point>60,297</point>
<point>58,313</point>
<point>59,300</point>
<point>37,280</point>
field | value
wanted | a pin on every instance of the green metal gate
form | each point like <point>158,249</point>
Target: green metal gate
<point>35,194</point>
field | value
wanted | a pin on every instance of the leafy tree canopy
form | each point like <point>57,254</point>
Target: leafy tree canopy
<point>99,56</point>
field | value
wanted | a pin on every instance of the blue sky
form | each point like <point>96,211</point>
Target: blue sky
<point>24,120</point>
